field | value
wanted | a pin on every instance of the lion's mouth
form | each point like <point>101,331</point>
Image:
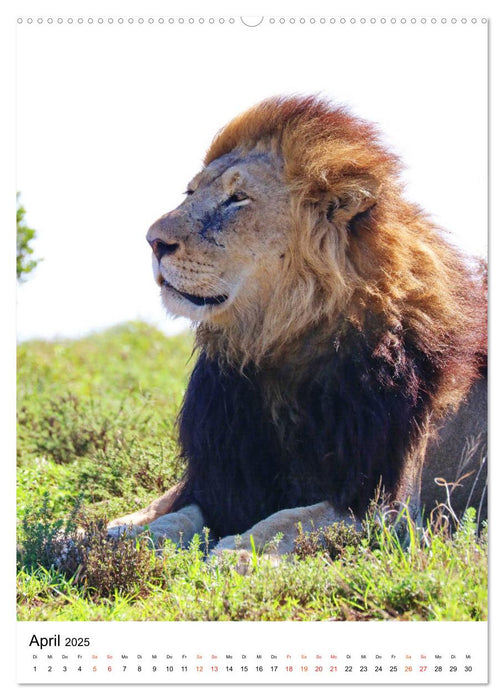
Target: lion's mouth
<point>198,301</point>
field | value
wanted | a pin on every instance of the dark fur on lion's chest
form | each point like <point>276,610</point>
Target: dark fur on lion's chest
<point>356,419</point>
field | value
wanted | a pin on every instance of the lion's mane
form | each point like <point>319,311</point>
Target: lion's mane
<point>376,326</point>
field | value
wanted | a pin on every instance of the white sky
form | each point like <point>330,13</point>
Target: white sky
<point>113,120</point>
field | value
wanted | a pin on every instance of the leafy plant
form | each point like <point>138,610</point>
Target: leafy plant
<point>25,263</point>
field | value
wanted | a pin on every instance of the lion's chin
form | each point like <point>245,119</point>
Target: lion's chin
<point>191,306</point>
<point>197,300</point>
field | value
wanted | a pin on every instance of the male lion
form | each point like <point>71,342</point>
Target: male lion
<point>337,328</point>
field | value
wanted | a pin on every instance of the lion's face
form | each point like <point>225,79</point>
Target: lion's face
<point>222,249</point>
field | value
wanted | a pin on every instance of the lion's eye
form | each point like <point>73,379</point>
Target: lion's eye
<point>188,191</point>
<point>235,198</point>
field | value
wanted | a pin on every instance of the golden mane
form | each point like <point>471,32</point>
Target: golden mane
<point>360,255</point>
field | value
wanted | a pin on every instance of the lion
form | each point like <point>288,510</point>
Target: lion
<point>340,335</point>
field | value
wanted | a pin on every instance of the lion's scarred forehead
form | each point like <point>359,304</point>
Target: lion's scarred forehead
<point>215,169</point>
<point>240,159</point>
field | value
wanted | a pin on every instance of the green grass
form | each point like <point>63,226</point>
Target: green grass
<point>96,419</point>
<point>96,440</point>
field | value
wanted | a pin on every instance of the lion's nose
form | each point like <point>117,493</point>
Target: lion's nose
<point>163,236</point>
<point>160,248</point>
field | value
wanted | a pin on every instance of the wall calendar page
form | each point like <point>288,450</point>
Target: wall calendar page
<point>252,348</point>
<point>255,652</point>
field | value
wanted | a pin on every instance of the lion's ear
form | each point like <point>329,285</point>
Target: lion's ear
<point>355,196</point>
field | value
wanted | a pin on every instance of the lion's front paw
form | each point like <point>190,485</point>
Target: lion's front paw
<point>179,527</point>
<point>277,534</point>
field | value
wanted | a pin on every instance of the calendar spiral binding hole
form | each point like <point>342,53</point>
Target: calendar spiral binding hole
<point>239,20</point>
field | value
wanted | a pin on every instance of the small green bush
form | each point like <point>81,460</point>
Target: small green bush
<point>333,540</point>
